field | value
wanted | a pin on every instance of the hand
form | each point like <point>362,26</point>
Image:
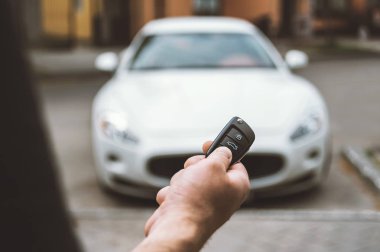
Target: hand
<point>201,197</point>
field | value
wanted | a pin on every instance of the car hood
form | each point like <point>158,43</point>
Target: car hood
<point>200,103</point>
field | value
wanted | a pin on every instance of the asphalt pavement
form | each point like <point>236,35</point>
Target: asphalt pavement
<point>340,216</point>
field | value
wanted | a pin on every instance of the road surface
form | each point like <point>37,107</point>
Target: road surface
<point>351,88</point>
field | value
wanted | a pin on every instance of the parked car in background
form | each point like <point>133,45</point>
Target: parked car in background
<point>176,86</point>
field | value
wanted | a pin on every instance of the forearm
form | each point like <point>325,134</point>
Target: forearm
<point>175,234</point>
<point>171,242</point>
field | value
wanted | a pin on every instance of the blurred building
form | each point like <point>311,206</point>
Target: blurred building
<point>106,22</point>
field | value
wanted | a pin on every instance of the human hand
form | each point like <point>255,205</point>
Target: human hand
<point>201,197</point>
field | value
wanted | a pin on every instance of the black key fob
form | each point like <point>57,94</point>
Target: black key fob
<point>236,136</point>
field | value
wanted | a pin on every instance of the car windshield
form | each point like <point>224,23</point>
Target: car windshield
<point>206,50</point>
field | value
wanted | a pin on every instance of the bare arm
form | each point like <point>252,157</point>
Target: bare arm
<point>200,199</point>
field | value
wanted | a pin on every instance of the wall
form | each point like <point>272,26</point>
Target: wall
<point>142,11</point>
<point>55,18</point>
<point>178,8</point>
<point>68,20</point>
<point>83,20</point>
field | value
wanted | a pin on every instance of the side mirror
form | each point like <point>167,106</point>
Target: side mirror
<point>107,62</point>
<point>296,59</point>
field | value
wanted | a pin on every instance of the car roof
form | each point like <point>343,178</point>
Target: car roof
<point>198,25</point>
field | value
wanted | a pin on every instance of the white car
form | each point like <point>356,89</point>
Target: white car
<point>180,81</point>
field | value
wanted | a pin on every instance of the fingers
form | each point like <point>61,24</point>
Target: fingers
<point>193,160</point>
<point>161,195</point>
<point>196,159</point>
<point>206,146</point>
<point>221,157</point>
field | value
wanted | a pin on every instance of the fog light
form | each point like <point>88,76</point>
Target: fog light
<point>113,157</point>
<point>313,154</point>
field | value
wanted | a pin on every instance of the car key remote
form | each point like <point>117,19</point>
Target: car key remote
<point>236,136</point>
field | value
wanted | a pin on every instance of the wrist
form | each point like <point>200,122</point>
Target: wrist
<point>178,230</point>
<point>175,236</point>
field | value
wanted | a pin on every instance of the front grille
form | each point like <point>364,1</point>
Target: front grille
<point>167,166</point>
<point>262,165</point>
<point>124,182</point>
<point>258,165</point>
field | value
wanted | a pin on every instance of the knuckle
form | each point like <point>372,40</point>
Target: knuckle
<point>159,196</point>
<point>188,162</point>
<point>193,160</point>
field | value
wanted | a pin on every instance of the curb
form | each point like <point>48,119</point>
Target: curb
<point>242,215</point>
<point>72,63</point>
<point>367,45</point>
<point>359,160</point>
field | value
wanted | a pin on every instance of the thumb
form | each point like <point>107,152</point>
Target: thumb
<point>222,155</point>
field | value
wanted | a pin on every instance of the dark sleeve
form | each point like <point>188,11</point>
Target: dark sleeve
<point>33,215</point>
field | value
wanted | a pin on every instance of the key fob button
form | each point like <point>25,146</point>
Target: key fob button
<point>237,136</point>
<point>231,144</point>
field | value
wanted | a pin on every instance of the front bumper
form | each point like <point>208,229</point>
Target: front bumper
<point>125,168</point>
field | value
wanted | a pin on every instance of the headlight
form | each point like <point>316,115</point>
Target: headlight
<point>310,125</point>
<point>115,126</point>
